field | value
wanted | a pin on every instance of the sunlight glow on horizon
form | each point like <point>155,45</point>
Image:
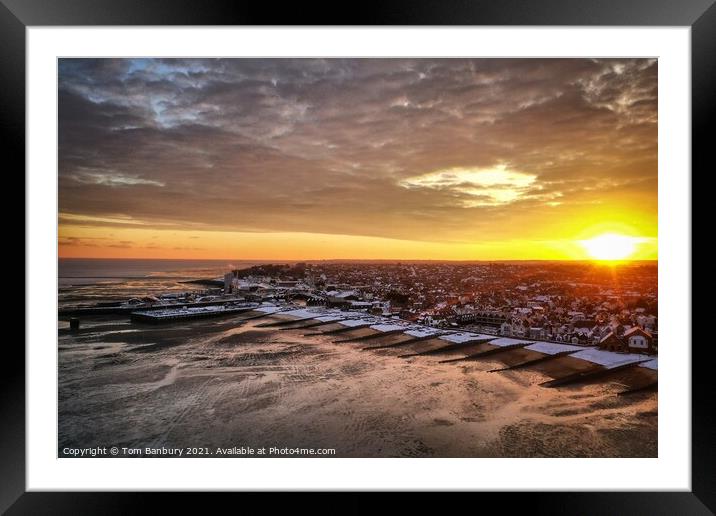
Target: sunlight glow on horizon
<point>610,246</point>
<point>140,243</point>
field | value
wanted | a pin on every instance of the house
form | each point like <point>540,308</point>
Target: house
<point>537,333</point>
<point>611,342</point>
<point>506,329</point>
<point>639,340</point>
<point>633,340</point>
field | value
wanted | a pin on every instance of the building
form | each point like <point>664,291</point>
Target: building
<point>633,340</point>
<point>639,340</point>
<point>506,329</point>
<point>228,279</point>
<point>611,342</point>
<point>537,333</point>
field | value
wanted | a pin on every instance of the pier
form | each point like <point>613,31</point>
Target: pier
<point>185,314</point>
<point>145,307</point>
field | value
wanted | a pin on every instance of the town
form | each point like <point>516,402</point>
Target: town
<point>612,306</point>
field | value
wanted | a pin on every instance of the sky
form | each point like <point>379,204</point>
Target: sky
<point>443,159</point>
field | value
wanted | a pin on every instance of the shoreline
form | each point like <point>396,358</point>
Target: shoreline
<point>225,383</point>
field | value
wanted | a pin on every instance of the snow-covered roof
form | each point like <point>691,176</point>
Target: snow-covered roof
<point>329,318</point>
<point>549,348</point>
<point>388,327</point>
<point>651,364</point>
<point>504,342</point>
<point>354,322</point>
<point>465,337</point>
<point>342,293</point>
<point>607,336</point>
<point>422,332</point>
<point>608,359</point>
<point>301,313</point>
<point>268,309</point>
<point>636,330</point>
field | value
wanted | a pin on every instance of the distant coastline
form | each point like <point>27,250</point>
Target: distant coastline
<point>351,260</point>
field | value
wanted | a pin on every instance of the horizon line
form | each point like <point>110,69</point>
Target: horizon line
<point>359,259</point>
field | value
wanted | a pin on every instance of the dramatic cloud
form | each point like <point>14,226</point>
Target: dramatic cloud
<point>487,186</point>
<point>449,150</point>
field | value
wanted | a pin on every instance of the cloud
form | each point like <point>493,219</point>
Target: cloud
<point>376,147</point>
<point>488,186</point>
<point>112,179</point>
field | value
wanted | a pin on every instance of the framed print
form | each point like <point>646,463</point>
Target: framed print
<point>416,250</point>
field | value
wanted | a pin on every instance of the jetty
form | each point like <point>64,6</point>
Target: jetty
<point>127,308</point>
<point>185,314</point>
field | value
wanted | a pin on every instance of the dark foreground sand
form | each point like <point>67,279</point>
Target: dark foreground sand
<point>223,383</point>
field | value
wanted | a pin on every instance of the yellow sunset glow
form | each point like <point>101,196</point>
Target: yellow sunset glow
<point>610,246</point>
<point>135,241</point>
<point>367,159</point>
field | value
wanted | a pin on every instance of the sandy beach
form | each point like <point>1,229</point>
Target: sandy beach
<point>226,383</point>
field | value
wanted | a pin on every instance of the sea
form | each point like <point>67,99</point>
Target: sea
<point>83,280</point>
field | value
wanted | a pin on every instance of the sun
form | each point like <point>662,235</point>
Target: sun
<point>610,246</point>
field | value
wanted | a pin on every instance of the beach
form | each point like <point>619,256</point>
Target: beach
<point>226,384</point>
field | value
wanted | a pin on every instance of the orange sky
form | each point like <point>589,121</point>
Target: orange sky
<point>450,159</point>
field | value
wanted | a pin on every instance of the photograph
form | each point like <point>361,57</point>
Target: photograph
<point>357,257</point>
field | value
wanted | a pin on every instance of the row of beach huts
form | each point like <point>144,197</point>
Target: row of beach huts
<point>564,363</point>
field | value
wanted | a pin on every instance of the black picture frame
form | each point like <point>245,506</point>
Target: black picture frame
<point>700,15</point>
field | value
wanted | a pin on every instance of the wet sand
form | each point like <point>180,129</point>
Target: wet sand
<point>223,383</point>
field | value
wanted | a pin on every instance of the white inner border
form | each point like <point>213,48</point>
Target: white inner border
<point>670,471</point>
